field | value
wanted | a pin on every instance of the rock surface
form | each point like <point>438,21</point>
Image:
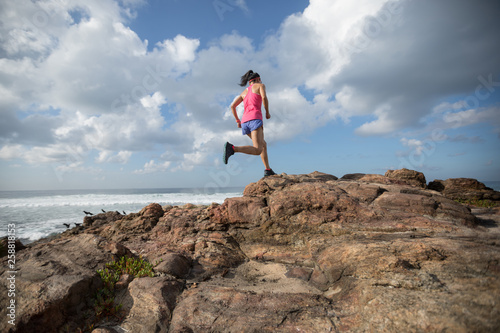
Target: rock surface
<point>295,253</point>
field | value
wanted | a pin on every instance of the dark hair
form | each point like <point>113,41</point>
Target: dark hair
<point>250,75</point>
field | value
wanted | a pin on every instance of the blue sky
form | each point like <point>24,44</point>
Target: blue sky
<point>136,94</point>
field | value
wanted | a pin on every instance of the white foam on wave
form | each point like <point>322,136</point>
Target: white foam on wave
<point>99,200</point>
<point>36,230</point>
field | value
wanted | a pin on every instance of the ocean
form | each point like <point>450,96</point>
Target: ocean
<point>38,214</point>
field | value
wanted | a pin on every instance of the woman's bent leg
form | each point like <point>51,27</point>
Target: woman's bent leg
<point>257,137</point>
<point>259,146</point>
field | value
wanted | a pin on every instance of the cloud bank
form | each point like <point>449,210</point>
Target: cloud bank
<point>77,83</point>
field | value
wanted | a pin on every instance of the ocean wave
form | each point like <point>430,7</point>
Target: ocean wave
<point>99,200</point>
<point>38,216</point>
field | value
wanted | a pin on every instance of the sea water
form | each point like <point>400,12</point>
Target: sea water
<point>38,214</point>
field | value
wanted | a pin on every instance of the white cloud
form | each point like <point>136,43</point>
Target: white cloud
<point>241,4</point>
<point>107,156</point>
<point>472,116</point>
<point>153,167</point>
<point>416,145</point>
<point>292,114</point>
<point>384,124</point>
<point>10,152</point>
<point>447,106</point>
<point>154,101</point>
<point>181,49</point>
<point>459,115</point>
<point>62,154</point>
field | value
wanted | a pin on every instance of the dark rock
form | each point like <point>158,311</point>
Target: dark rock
<point>173,264</point>
<point>436,185</point>
<point>353,176</point>
<point>14,244</point>
<point>101,219</point>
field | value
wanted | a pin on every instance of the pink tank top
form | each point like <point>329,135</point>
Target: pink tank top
<point>252,104</point>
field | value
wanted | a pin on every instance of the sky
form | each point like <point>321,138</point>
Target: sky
<point>100,94</point>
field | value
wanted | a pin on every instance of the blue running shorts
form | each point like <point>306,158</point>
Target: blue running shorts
<point>250,126</point>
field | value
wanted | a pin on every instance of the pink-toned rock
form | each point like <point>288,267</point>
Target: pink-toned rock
<point>246,210</point>
<point>433,206</point>
<point>153,210</point>
<point>365,193</point>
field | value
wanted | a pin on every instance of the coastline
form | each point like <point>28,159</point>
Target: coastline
<point>317,253</point>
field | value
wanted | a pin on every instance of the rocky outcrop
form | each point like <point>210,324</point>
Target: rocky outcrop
<point>310,253</point>
<point>464,189</point>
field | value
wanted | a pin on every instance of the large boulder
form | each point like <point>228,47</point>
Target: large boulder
<point>411,177</point>
<point>464,189</point>
<point>149,303</point>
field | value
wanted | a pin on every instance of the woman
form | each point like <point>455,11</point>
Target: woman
<point>251,123</point>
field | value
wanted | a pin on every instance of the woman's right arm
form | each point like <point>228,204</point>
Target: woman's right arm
<point>237,101</point>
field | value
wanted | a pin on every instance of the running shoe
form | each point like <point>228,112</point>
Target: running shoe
<point>269,172</point>
<point>228,152</point>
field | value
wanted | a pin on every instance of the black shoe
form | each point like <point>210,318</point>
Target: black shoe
<point>269,172</point>
<point>228,152</point>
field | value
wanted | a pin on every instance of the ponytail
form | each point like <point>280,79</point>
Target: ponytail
<point>249,76</point>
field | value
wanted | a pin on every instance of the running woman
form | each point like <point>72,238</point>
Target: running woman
<point>251,123</point>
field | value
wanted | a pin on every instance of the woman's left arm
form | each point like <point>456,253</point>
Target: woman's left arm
<point>263,94</point>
